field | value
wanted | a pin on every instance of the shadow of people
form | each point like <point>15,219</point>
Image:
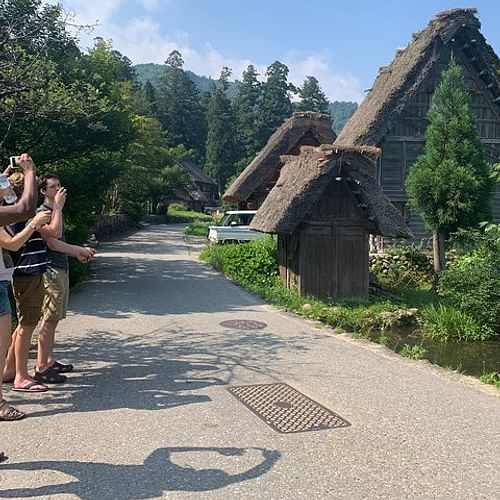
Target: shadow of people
<point>158,474</point>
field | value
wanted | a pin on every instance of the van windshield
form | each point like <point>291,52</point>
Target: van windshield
<point>236,219</point>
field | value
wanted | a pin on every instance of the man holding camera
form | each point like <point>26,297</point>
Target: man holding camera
<point>56,279</point>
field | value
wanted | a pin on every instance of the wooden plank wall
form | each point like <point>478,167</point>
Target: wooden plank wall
<point>406,138</point>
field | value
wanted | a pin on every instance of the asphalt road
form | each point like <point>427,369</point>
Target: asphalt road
<point>148,414</point>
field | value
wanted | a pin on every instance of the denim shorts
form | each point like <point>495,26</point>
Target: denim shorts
<point>4,298</point>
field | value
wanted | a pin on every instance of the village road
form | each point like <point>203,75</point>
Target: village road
<point>148,413</point>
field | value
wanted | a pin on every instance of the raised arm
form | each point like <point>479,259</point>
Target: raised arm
<point>55,227</point>
<point>25,206</point>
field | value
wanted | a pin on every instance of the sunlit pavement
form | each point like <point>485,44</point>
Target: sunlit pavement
<point>148,415</point>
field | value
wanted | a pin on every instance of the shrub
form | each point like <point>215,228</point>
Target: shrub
<point>472,284</point>
<point>252,264</point>
<point>445,323</point>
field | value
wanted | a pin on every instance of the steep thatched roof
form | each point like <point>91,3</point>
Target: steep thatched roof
<point>196,173</point>
<point>397,83</point>
<point>302,128</point>
<point>304,178</point>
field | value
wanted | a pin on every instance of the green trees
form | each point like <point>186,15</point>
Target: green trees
<point>276,105</point>
<point>221,145</point>
<point>312,98</point>
<point>246,107</point>
<point>179,106</point>
<point>449,185</point>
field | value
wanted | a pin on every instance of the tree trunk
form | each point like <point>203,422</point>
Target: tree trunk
<point>438,254</point>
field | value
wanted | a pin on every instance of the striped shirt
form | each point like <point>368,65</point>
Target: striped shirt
<point>31,258</point>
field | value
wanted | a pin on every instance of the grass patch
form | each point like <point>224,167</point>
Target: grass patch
<point>444,323</point>
<point>197,228</point>
<point>491,378</point>
<point>176,215</point>
<point>253,265</point>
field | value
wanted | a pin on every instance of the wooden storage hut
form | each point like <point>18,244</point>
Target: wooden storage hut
<point>393,115</point>
<point>323,208</point>
<point>252,186</point>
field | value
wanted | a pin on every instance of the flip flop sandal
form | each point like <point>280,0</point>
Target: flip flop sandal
<point>30,387</point>
<point>9,413</point>
<point>49,376</point>
<point>62,368</point>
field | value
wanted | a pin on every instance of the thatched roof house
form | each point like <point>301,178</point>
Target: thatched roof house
<point>204,191</point>
<point>323,207</point>
<point>393,115</point>
<point>304,179</point>
<point>304,128</point>
<point>456,30</point>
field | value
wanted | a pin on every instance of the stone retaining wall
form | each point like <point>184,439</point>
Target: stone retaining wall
<point>110,225</point>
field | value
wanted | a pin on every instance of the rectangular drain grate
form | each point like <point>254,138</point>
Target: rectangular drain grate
<point>285,409</point>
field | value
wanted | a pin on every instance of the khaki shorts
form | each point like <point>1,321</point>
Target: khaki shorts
<point>55,300</point>
<point>28,292</point>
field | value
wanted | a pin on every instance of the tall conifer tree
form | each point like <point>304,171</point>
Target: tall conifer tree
<point>220,147</point>
<point>450,185</point>
<point>151,97</point>
<point>179,106</point>
<point>312,98</point>
<point>247,123</point>
<point>275,105</point>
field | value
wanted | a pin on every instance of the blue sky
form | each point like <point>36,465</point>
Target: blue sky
<point>342,43</point>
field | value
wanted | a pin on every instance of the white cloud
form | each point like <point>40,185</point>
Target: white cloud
<point>142,41</point>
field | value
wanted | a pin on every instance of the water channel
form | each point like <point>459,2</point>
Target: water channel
<point>471,358</point>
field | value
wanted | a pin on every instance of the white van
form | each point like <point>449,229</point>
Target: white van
<point>233,228</point>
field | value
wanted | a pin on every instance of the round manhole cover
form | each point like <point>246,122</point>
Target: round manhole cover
<point>243,324</point>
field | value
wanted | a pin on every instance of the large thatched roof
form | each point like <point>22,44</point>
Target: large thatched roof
<point>302,128</point>
<point>304,178</point>
<point>397,83</point>
<point>196,172</point>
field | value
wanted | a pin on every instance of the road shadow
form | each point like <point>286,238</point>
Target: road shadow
<point>165,368</point>
<point>158,474</point>
<point>151,273</point>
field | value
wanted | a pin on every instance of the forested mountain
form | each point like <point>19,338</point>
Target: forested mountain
<point>340,111</point>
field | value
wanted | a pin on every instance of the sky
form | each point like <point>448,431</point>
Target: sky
<point>340,42</point>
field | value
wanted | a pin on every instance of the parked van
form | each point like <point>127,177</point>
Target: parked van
<point>233,228</point>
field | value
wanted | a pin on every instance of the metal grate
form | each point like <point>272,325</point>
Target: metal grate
<point>285,409</point>
<point>243,324</point>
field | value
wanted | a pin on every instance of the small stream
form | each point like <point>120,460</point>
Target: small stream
<point>471,358</point>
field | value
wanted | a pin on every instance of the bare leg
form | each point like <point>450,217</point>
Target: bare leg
<point>46,340</point>
<point>21,348</point>
<point>4,344</point>
<point>9,371</point>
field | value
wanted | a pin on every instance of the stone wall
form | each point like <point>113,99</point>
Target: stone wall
<point>110,225</point>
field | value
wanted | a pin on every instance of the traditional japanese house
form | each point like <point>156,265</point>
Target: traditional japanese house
<point>393,115</point>
<point>252,186</point>
<point>203,194</point>
<point>323,207</point>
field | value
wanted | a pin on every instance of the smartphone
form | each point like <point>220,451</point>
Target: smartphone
<point>12,163</point>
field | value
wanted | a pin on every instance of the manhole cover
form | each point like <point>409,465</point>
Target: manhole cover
<point>285,409</point>
<point>243,324</point>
